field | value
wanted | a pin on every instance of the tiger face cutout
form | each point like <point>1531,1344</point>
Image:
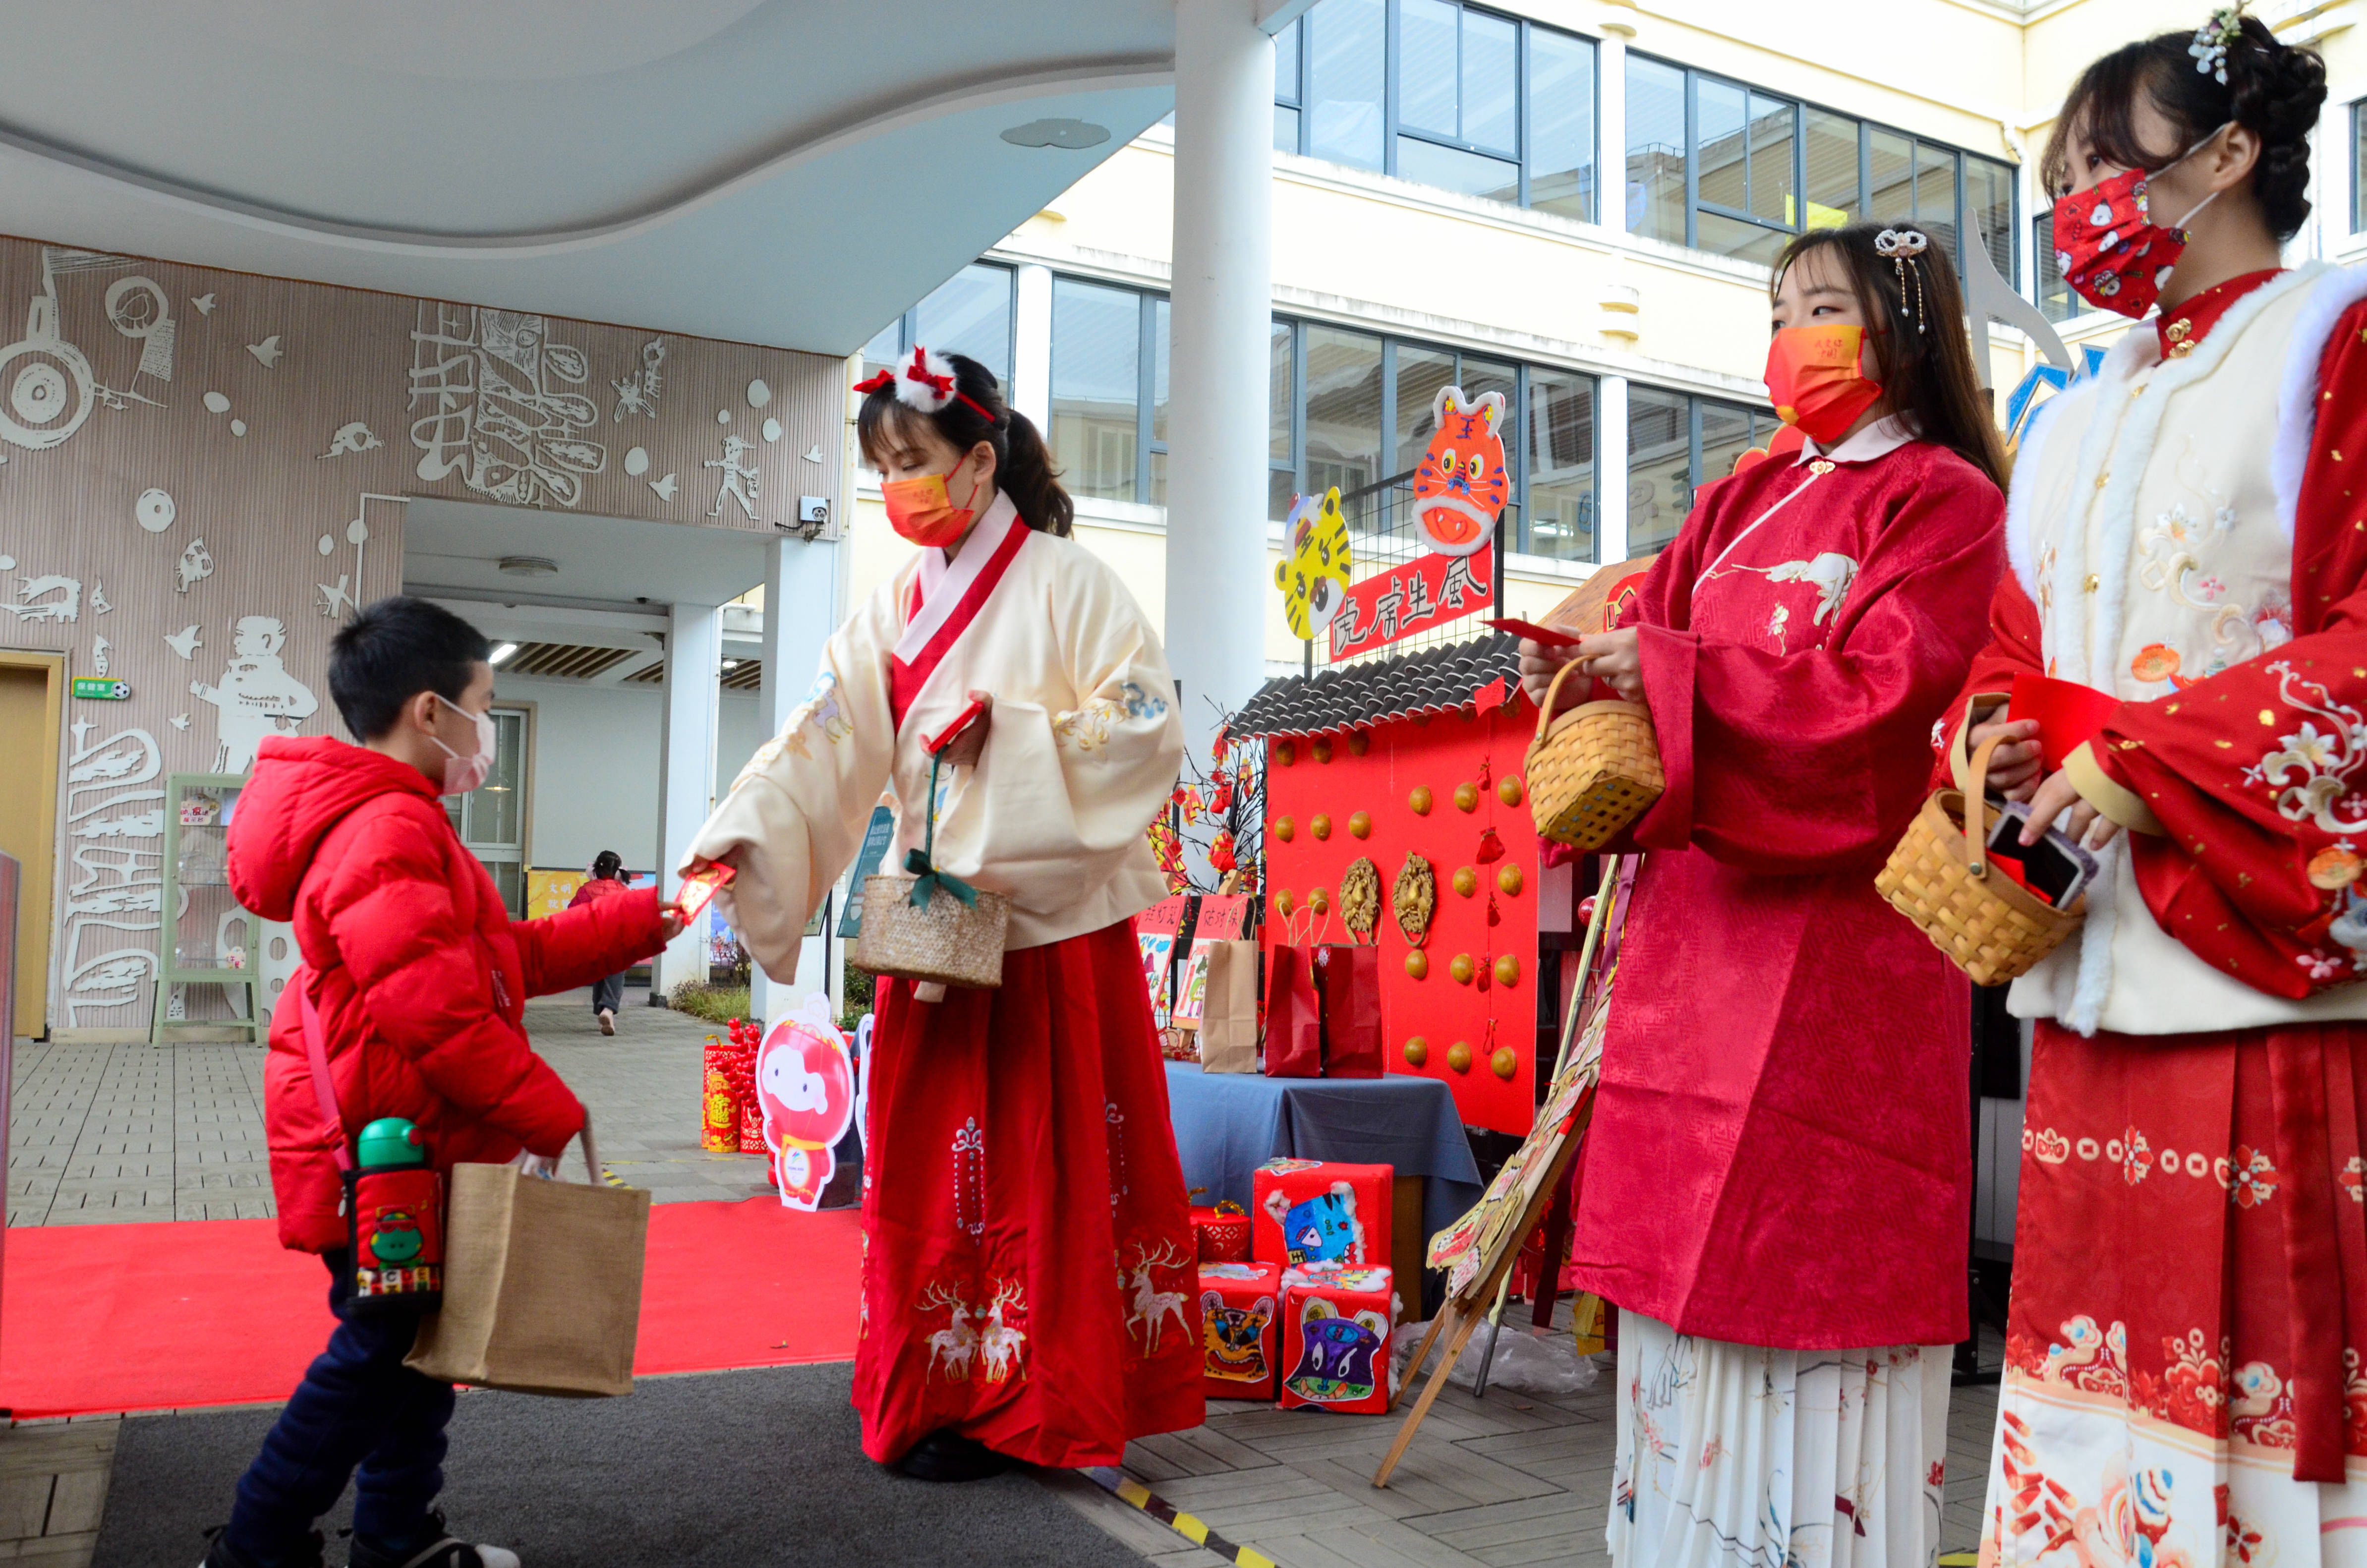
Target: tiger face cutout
<point>1236,1337</point>
<point>1461,485</point>
<point>1313,573</point>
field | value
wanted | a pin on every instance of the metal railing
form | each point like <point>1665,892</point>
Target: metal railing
<point>1383,534</point>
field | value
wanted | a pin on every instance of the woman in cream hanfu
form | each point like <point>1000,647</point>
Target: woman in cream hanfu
<point>1778,1178</point>
<point>2183,1384</point>
<point>1029,1277</point>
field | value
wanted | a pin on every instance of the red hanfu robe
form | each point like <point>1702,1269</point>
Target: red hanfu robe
<point>2189,1324</point>
<point>1779,1153</point>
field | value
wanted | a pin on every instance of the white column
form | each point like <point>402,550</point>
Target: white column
<point>693,668</point>
<point>1031,355</point>
<point>1611,470</point>
<point>1611,114</point>
<point>1223,295</point>
<point>800,612</point>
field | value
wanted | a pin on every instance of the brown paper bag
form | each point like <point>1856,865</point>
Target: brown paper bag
<point>1228,1018</point>
<point>542,1283</point>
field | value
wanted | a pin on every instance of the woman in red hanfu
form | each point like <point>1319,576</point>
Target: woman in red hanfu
<point>1028,1280</point>
<point>1776,1184</point>
<point>2184,1385</point>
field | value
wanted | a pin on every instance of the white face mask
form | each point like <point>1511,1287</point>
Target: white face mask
<point>462,774</point>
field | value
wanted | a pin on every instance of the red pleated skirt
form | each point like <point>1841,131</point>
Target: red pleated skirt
<point>1029,1259</point>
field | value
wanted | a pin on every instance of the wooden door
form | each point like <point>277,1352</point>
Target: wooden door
<point>31,695</point>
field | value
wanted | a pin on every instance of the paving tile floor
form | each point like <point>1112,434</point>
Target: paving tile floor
<point>101,1133</point>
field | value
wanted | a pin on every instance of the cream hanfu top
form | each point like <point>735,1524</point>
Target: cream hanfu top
<point>1083,751</point>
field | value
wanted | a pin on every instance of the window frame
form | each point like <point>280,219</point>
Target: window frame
<point>1866,128</point>
<point>1524,100</point>
<point>1515,449</point>
<point>1146,379</point>
<point>2358,165</point>
<point>1694,402</point>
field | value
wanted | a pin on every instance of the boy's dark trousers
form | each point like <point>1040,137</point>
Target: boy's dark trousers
<point>357,1406</point>
<point>608,992</point>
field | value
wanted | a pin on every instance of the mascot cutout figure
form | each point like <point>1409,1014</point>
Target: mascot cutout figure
<point>1313,573</point>
<point>805,1081</point>
<point>1460,485</point>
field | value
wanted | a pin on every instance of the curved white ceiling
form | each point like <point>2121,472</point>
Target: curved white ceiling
<point>694,165</point>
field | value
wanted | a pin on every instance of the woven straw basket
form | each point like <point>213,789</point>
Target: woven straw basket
<point>1592,771</point>
<point>946,940</point>
<point>1989,926</point>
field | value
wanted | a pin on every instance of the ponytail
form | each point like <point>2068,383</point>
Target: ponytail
<point>976,411</point>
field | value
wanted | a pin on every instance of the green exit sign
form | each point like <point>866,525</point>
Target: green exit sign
<point>98,689</point>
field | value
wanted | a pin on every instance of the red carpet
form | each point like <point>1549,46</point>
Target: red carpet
<point>214,1312</point>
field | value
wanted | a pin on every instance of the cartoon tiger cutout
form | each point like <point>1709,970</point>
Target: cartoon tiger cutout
<point>1313,574</point>
<point>1461,485</point>
<point>1337,1355</point>
<point>1236,1337</point>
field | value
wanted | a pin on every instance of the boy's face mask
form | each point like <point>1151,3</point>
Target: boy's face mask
<point>462,774</point>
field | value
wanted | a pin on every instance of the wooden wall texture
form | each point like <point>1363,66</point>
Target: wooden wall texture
<point>202,474</point>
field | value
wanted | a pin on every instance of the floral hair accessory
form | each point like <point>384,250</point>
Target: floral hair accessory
<point>2210,40</point>
<point>926,385</point>
<point>1899,247</point>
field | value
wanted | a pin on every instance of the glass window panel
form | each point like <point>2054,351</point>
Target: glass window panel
<point>1988,201</point>
<point>1726,433</point>
<point>1281,490</point>
<point>1654,200</point>
<point>1890,176</point>
<point>1096,387</point>
<point>1770,159</point>
<point>1660,465</point>
<point>1490,64</point>
<point>886,349</point>
<point>1277,405</point>
<point>1559,437</point>
<point>2056,302</point>
<point>1452,168</point>
<point>1285,129</point>
<point>1831,153</point>
<point>1561,123</point>
<point>1285,64</point>
<point>1745,242</point>
<point>1482,376</point>
<point>494,813</point>
<point>1420,372</point>
<point>969,314</point>
<point>1159,479</point>
<point>1426,65</point>
<point>2358,167</point>
<point>1343,410</point>
<point>1718,143</point>
<point>1346,46</point>
<point>1935,194</point>
<point>1158,335</point>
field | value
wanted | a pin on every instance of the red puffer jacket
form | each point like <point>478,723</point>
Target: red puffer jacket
<point>418,972</point>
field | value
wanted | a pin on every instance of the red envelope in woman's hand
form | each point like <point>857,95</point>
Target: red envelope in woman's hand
<point>2069,715</point>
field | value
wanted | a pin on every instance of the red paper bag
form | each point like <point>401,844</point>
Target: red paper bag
<point>1348,979</point>
<point>1293,1020</point>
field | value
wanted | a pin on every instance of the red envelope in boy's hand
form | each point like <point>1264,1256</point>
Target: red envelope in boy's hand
<point>701,886</point>
<point>2069,715</point>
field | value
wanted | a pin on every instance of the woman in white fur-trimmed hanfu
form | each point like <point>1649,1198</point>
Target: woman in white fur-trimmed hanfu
<point>2183,1381</point>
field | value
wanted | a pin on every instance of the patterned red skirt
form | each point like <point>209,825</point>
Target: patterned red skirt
<point>1028,1257</point>
<point>2190,1305</point>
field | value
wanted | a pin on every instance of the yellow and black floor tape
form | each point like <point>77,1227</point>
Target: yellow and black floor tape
<point>1959,1559</point>
<point>1125,1489</point>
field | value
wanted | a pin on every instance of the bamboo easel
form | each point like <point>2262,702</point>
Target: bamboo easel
<point>1463,1313</point>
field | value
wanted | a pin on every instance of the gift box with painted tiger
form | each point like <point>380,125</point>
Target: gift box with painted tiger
<point>1238,1302</point>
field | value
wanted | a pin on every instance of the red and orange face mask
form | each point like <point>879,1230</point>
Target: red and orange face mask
<point>922,510</point>
<point>1815,379</point>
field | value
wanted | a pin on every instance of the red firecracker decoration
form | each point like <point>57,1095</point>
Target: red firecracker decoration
<point>719,1128</point>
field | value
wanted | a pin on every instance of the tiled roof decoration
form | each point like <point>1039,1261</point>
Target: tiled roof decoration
<point>1437,680</point>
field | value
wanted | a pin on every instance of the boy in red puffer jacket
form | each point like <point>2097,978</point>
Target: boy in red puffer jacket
<point>419,976</point>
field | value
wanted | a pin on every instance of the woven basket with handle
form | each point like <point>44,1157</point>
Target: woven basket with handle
<point>1592,771</point>
<point>931,926</point>
<point>1939,877</point>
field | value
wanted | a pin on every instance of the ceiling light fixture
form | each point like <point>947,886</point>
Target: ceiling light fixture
<point>1072,135</point>
<point>731,664</point>
<point>503,652</point>
<point>528,565</point>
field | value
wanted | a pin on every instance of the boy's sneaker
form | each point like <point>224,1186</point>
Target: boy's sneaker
<point>446,1552</point>
<point>221,1554</point>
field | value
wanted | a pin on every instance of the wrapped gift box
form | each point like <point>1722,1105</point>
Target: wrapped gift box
<point>1320,1211</point>
<point>1223,1232</point>
<point>1335,1338</point>
<point>1240,1306</point>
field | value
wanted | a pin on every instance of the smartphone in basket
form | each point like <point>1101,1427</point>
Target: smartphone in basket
<point>2056,868</point>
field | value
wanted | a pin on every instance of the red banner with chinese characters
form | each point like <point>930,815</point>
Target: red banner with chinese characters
<point>1428,591</point>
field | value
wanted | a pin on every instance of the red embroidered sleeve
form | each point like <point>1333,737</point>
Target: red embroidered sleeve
<point>2014,647</point>
<point>2258,775</point>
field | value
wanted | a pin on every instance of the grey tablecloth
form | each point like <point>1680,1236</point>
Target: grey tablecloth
<point>1228,1124</point>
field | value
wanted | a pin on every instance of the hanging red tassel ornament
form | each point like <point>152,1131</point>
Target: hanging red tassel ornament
<point>1223,798</point>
